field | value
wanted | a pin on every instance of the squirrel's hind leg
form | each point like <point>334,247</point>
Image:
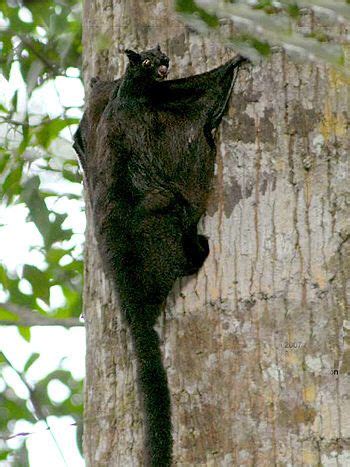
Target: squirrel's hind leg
<point>196,249</point>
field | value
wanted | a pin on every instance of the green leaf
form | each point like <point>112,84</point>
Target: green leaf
<point>2,358</point>
<point>51,231</point>
<point>57,233</point>
<point>39,213</point>
<point>189,7</point>
<point>11,185</point>
<point>14,100</point>
<point>74,177</point>
<point>50,129</point>
<point>39,281</point>
<point>262,47</point>
<point>26,136</point>
<point>293,10</point>
<point>5,453</point>
<point>33,358</point>
<point>4,315</point>
<point>55,254</point>
<point>73,304</point>
<point>25,332</point>
<point>13,408</point>
<point>4,280</point>
<point>4,159</point>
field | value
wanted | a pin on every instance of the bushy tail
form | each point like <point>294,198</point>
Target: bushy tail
<point>152,381</point>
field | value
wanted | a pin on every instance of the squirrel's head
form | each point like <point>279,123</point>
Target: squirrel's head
<point>151,64</point>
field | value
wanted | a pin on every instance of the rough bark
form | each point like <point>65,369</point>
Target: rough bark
<point>253,344</point>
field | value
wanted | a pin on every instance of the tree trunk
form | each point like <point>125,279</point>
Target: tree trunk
<point>257,346</point>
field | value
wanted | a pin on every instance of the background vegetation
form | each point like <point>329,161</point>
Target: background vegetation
<point>40,45</point>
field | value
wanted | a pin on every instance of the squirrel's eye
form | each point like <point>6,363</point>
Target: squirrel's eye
<point>146,62</point>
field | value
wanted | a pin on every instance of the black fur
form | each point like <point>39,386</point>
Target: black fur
<point>148,153</point>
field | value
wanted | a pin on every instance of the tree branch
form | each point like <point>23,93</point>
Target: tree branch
<point>27,317</point>
<point>38,54</point>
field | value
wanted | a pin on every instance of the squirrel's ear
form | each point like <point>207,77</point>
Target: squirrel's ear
<point>158,47</point>
<point>133,57</point>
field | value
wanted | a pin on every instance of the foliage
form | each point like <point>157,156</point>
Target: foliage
<point>40,42</point>
<point>305,29</point>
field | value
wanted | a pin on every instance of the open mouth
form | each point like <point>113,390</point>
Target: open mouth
<point>162,72</point>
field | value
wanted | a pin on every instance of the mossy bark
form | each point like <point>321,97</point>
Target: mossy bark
<point>257,346</point>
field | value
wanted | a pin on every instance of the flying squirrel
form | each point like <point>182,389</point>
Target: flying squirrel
<point>147,150</point>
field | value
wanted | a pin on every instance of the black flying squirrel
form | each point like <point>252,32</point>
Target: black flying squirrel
<point>148,153</point>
